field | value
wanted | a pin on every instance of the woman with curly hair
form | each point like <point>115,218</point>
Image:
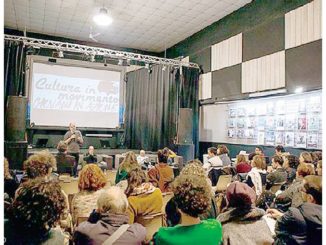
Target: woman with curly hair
<point>192,195</point>
<point>35,214</point>
<point>223,153</point>
<point>91,180</point>
<point>129,163</point>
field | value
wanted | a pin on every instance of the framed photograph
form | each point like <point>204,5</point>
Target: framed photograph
<point>279,138</point>
<point>301,140</point>
<point>231,133</point>
<point>232,122</point>
<point>280,122</point>
<point>312,140</point>
<point>241,133</point>
<point>241,123</point>
<point>251,122</point>
<point>314,104</point>
<point>270,137</point>
<point>280,107</point>
<point>289,139</point>
<point>270,123</point>
<point>241,112</point>
<point>232,112</point>
<point>302,122</point>
<point>290,122</point>
<point>261,123</point>
<point>261,138</point>
<point>250,134</point>
<point>313,122</point>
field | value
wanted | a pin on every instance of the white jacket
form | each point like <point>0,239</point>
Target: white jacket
<point>213,162</point>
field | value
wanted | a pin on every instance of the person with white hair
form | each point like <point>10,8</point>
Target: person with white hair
<point>142,158</point>
<point>112,225</point>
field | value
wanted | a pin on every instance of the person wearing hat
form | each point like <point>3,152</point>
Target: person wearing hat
<point>242,222</point>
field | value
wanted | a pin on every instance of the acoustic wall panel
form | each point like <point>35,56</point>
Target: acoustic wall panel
<point>205,86</point>
<point>226,53</point>
<point>264,73</point>
<point>202,58</point>
<point>303,25</point>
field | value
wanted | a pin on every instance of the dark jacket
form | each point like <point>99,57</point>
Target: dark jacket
<point>302,225</point>
<point>225,159</point>
<point>276,177</point>
<point>65,162</point>
<point>90,158</point>
<point>96,234</point>
<point>242,227</point>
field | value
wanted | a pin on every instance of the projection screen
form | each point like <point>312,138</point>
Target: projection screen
<point>62,94</point>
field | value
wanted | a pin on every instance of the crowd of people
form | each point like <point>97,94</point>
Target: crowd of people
<point>263,203</point>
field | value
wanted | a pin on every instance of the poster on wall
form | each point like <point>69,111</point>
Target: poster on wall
<point>232,112</point>
<point>261,122</point>
<point>302,122</point>
<point>241,133</point>
<point>279,138</point>
<point>313,122</point>
<point>280,123</point>
<point>289,139</point>
<point>314,104</point>
<point>251,122</point>
<point>301,106</point>
<point>241,112</point>
<point>251,110</point>
<point>231,133</point>
<point>270,122</point>
<point>280,107</point>
<point>290,122</point>
<point>270,137</point>
<point>232,123</point>
<point>261,138</point>
<point>301,140</point>
<point>241,123</point>
<point>312,140</point>
<point>270,108</point>
<point>261,109</point>
<point>250,134</point>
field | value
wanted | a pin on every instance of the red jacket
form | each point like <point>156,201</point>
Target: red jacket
<point>243,167</point>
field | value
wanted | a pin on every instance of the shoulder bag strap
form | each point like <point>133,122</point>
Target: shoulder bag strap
<point>117,234</point>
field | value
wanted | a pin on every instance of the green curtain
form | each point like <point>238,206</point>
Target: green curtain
<point>152,105</point>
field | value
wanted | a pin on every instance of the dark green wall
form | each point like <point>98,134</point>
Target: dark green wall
<point>244,19</point>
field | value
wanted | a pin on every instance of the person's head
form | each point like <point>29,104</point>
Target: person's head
<point>304,170</point>
<point>277,161</point>
<point>112,201</point>
<point>312,189</point>
<point>91,178</point>
<point>72,127</point>
<point>316,156</point>
<point>222,149</point>
<point>62,147</point>
<point>279,150</point>
<point>291,161</point>
<point>259,151</point>
<point>129,162</point>
<point>37,208</point>
<point>251,156</point>
<point>142,153</point>
<point>135,178</point>
<point>258,162</point>
<point>240,195</point>
<point>6,169</point>
<point>319,168</point>
<point>212,151</point>
<point>305,157</point>
<point>39,164</point>
<point>162,156</point>
<point>192,192</point>
<point>91,150</point>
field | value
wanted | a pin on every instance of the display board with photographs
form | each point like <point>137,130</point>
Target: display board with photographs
<point>292,120</point>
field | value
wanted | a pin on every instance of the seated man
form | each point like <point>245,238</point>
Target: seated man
<point>65,162</point>
<point>142,158</point>
<point>302,225</point>
<point>90,156</point>
<point>279,175</point>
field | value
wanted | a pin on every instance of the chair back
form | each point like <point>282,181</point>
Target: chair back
<point>152,223</point>
<point>223,182</point>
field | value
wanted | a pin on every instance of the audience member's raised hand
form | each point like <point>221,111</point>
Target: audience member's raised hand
<point>274,213</point>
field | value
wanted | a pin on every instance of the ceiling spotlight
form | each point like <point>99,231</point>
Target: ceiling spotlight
<point>120,63</point>
<point>298,90</point>
<point>60,54</point>
<point>102,18</point>
<point>92,58</point>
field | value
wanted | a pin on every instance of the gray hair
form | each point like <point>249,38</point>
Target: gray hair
<point>112,200</point>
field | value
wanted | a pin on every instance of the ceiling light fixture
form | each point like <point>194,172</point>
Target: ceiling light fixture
<point>102,18</point>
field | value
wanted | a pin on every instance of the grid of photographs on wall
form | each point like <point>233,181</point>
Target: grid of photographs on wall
<point>293,120</point>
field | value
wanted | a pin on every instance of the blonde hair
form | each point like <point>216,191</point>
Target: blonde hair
<point>129,162</point>
<point>259,162</point>
<point>6,170</point>
<point>91,178</point>
<point>306,157</point>
<point>113,201</point>
<point>241,158</point>
<point>305,170</point>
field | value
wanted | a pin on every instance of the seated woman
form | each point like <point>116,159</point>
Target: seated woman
<point>143,197</point>
<point>65,162</point>
<point>242,165</point>
<point>223,153</point>
<point>292,195</point>
<point>192,195</point>
<point>256,178</point>
<point>35,214</point>
<point>161,175</point>
<point>112,207</point>
<point>129,163</point>
<point>319,169</point>
<point>242,222</point>
<point>316,156</point>
<point>290,164</point>
<point>305,157</point>
<point>91,180</point>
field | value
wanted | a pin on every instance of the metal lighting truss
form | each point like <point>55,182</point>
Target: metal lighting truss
<point>89,50</point>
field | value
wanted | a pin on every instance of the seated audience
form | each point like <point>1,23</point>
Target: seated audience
<point>91,181</point>
<point>302,225</point>
<point>316,156</point>
<point>161,175</point>
<point>143,197</point>
<point>90,155</point>
<point>129,163</point>
<point>192,195</point>
<point>214,161</point>
<point>305,157</point>
<point>242,222</point>
<point>279,150</point>
<point>256,178</point>
<point>35,214</point>
<point>112,207</point>
<point>65,162</point>
<point>223,153</point>
<point>10,183</point>
<point>242,165</point>
<point>279,175</point>
<point>319,169</point>
<point>292,196</point>
<point>290,164</point>
<point>142,158</point>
